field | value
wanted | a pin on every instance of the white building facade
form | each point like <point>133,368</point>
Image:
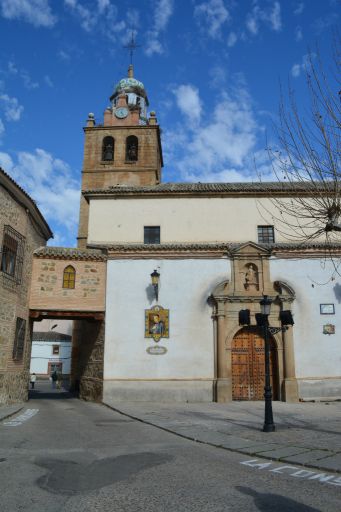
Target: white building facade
<point>217,250</point>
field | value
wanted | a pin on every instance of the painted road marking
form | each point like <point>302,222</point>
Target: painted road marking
<point>19,420</point>
<point>294,471</point>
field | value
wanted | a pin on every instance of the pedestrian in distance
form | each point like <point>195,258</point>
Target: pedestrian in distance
<point>59,380</point>
<point>54,378</point>
<point>33,379</point>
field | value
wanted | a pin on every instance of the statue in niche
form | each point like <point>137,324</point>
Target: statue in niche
<point>251,278</point>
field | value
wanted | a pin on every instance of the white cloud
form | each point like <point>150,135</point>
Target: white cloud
<point>232,39</point>
<point>11,107</point>
<point>36,12</point>
<point>297,69</point>
<point>102,17</point>
<point>6,162</point>
<point>63,55</point>
<point>50,183</point>
<point>298,33</point>
<point>28,82</point>
<point>270,17</point>
<point>48,81</point>
<point>219,148</point>
<point>188,101</point>
<point>163,10</point>
<point>299,9</point>
<point>2,128</point>
<point>211,16</point>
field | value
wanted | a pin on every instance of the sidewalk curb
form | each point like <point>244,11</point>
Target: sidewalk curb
<point>215,445</point>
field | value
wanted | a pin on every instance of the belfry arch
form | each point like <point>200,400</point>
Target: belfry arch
<point>250,280</point>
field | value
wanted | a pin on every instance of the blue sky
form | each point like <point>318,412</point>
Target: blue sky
<point>212,70</point>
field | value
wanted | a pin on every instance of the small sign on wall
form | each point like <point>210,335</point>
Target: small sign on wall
<point>327,309</point>
<point>329,329</point>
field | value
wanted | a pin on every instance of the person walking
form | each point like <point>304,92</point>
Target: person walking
<point>54,378</point>
<point>33,379</point>
<point>59,380</point>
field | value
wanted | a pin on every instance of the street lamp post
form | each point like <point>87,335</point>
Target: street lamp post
<point>269,425</point>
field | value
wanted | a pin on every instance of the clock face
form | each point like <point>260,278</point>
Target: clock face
<point>121,112</point>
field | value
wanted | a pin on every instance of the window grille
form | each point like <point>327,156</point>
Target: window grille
<point>151,234</point>
<point>12,254</point>
<point>69,277</point>
<point>266,234</point>
<point>19,341</point>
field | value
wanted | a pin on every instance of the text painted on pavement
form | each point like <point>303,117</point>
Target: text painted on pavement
<point>19,420</point>
<point>294,471</point>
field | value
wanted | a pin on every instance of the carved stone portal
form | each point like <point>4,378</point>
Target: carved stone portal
<point>250,280</point>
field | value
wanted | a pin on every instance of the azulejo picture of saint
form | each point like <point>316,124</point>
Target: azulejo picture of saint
<point>156,323</point>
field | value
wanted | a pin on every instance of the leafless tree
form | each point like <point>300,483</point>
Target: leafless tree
<point>307,158</point>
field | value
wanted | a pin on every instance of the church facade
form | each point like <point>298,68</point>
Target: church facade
<point>166,283</point>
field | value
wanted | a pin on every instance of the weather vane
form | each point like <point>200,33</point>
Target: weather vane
<point>131,46</point>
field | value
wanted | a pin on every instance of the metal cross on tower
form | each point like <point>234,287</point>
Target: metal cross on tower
<point>131,46</point>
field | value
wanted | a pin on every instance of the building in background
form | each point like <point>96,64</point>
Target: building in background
<point>51,351</point>
<point>22,230</point>
<point>51,347</point>
<point>193,336</point>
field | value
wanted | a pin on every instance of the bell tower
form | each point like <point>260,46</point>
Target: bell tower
<point>124,150</point>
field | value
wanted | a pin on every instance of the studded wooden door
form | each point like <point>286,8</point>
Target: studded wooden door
<point>248,365</point>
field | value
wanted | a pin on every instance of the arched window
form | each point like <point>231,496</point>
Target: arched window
<point>108,149</point>
<point>132,148</point>
<point>69,277</point>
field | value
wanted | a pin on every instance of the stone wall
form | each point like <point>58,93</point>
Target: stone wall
<point>14,374</point>
<point>47,292</point>
<point>87,359</point>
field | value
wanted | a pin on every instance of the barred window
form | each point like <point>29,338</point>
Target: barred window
<point>19,341</point>
<point>69,277</point>
<point>151,234</point>
<point>12,254</point>
<point>266,234</point>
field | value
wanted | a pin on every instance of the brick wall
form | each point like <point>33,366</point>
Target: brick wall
<point>98,174</point>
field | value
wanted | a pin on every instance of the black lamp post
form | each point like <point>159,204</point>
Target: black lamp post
<point>269,425</point>
<point>155,283</point>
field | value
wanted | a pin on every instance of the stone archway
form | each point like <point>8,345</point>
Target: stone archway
<point>248,365</point>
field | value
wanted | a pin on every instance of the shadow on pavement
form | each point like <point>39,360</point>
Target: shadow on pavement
<point>44,390</point>
<point>267,502</point>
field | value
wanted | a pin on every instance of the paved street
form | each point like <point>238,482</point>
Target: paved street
<point>61,454</point>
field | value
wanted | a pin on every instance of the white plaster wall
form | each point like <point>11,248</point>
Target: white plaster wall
<point>184,288</point>
<point>181,219</point>
<point>42,354</point>
<point>316,354</point>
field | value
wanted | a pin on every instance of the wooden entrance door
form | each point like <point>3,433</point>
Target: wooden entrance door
<point>248,365</point>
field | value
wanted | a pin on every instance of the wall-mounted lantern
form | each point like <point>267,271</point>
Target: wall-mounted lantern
<point>155,283</point>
